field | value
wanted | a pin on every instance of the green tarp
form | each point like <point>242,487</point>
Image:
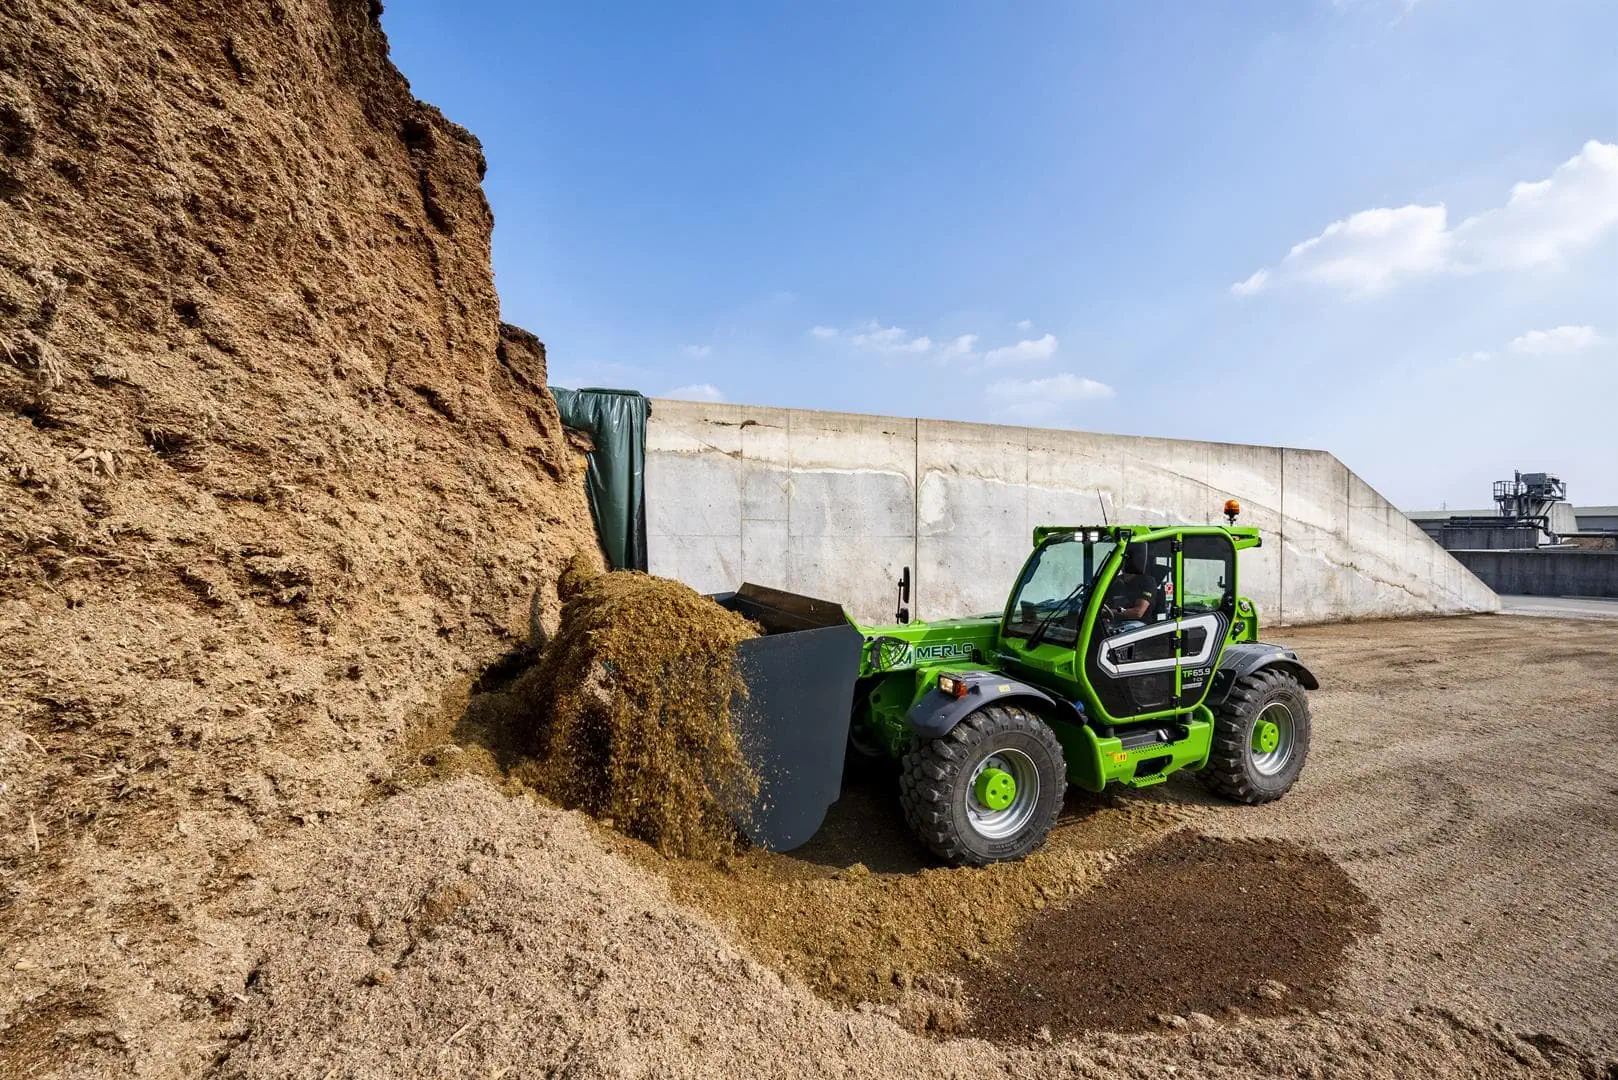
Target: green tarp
<point>615,420</point>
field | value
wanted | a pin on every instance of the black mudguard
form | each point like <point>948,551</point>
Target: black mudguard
<point>937,712</point>
<point>1246,657</point>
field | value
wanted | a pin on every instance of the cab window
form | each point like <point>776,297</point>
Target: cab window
<point>1210,575</point>
<point>1054,587</point>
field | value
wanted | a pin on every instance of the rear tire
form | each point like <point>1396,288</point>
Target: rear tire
<point>865,759</point>
<point>938,793</point>
<point>1260,738</point>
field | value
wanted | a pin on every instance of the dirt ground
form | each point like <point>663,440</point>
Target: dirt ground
<point>1465,775</point>
<point>1191,925</point>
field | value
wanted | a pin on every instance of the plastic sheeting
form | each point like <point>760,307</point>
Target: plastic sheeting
<point>615,420</point>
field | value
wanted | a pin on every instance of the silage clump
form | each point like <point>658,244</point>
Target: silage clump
<point>635,725</point>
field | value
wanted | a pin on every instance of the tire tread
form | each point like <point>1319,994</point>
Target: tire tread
<point>930,769</point>
<point>1226,772</point>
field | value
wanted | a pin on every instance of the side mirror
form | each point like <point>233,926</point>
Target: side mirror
<point>902,615</point>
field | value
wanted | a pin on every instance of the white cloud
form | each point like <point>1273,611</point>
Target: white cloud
<point>696,352</point>
<point>1034,351</point>
<point>961,350</point>
<point>1025,324</point>
<point>1045,400</point>
<point>1545,221</point>
<point>1558,341</point>
<point>1541,224</point>
<point>890,339</point>
<point>1253,284</point>
<point>695,392</point>
<point>1365,252</point>
<point>877,338</point>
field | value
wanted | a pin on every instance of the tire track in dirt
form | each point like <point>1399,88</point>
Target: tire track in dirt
<point>1431,810</point>
<point>1462,775</point>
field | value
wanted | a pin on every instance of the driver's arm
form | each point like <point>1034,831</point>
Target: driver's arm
<point>1138,609</point>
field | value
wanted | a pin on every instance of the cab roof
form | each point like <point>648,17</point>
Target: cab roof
<point>1242,536</point>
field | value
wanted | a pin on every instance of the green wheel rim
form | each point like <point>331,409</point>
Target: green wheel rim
<point>1274,735</point>
<point>1266,736</point>
<point>995,789</point>
<point>1008,775</point>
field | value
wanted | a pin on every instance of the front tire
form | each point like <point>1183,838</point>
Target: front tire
<point>987,791</point>
<point>1260,738</point>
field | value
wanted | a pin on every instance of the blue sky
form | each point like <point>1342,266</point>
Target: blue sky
<point>1384,228</point>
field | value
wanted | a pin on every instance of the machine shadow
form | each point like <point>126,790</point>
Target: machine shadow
<point>865,825</point>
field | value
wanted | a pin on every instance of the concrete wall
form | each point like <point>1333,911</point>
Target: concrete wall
<point>1546,572</point>
<point>836,504</point>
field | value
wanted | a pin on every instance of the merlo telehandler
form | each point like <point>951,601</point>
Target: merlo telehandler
<point>1124,654</point>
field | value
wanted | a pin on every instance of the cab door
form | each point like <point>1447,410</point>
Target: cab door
<point>1205,606</point>
<point>1132,664</point>
<point>1164,662</point>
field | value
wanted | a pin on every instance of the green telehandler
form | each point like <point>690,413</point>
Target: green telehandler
<point>1124,654</point>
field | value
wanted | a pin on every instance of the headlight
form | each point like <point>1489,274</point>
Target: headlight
<point>955,688</point>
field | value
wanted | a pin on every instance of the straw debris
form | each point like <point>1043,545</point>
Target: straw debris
<point>634,698</point>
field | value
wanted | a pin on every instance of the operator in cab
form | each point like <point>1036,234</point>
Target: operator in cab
<point>1131,594</point>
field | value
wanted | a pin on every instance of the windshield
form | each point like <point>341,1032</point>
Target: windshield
<point>1053,588</point>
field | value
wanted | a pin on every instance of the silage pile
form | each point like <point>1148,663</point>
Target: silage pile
<point>272,478</point>
<point>633,705</point>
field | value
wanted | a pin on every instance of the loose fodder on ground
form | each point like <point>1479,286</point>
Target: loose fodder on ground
<point>451,932</point>
<point>635,727</point>
<point>864,918</point>
<point>1189,926</point>
<point>1124,914</point>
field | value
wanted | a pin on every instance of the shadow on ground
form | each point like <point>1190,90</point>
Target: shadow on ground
<point>477,727</point>
<point>866,827</point>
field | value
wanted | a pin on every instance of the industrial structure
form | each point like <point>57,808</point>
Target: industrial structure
<point>1535,542</point>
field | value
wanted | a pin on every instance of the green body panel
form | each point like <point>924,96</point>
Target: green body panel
<point>928,644</point>
<point>1093,761</point>
<point>901,664</point>
<point>1246,626</point>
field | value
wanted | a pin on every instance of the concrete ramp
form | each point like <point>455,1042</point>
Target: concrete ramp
<point>837,504</point>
